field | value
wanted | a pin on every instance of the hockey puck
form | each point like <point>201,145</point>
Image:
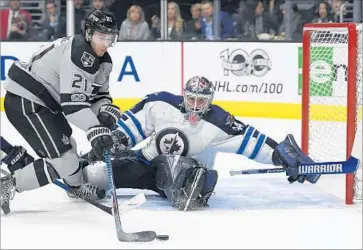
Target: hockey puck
<point>162,237</point>
<point>101,194</point>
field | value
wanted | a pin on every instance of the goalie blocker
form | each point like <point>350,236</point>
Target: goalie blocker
<point>288,154</point>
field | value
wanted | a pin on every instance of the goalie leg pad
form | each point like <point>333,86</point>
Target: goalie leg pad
<point>211,178</point>
<point>186,183</point>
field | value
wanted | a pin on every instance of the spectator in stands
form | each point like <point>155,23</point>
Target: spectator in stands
<point>226,22</point>
<point>274,10</point>
<point>240,19</point>
<point>261,25</point>
<point>295,25</point>
<point>53,25</point>
<point>19,29</point>
<point>193,29</point>
<point>14,21</point>
<point>134,27</point>
<point>176,24</point>
<point>323,14</point>
<point>337,10</point>
<point>99,5</point>
<point>79,15</point>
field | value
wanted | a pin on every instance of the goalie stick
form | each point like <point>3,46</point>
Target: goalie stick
<point>340,167</point>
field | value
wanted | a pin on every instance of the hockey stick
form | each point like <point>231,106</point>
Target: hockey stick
<point>143,236</point>
<point>257,171</point>
<point>125,207</point>
<point>339,167</point>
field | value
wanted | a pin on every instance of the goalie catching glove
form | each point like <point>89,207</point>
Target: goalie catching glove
<point>289,155</point>
<point>108,115</point>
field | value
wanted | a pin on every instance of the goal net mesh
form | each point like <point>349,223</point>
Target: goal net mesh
<point>328,101</point>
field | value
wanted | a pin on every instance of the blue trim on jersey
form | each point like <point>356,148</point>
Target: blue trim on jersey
<point>258,146</point>
<point>224,121</point>
<point>245,140</point>
<point>128,131</point>
<point>163,96</point>
<point>137,123</point>
<point>141,157</point>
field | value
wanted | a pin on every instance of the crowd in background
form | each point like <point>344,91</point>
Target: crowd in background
<point>40,20</point>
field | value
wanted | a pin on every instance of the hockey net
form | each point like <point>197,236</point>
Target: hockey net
<point>332,97</point>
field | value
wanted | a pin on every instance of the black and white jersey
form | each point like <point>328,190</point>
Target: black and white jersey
<point>65,76</point>
<point>161,117</point>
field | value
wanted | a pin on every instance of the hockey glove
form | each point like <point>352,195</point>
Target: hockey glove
<point>100,139</point>
<point>289,155</point>
<point>120,143</point>
<point>108,115</point>
<point>17,158</point>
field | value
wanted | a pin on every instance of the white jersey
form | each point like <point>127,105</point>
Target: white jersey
<point>65,76</point>
<point>161,116</point>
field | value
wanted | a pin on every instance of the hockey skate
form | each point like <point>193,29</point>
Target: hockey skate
<point>7,188</point>
<point>86,191</point>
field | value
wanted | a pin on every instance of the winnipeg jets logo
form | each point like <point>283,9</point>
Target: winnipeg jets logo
<point>172,141</point>
<point>237,126</point>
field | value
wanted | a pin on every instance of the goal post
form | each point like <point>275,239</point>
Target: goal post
<point>332,93</point>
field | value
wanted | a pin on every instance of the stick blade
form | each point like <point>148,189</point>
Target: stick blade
<point>143,236</point>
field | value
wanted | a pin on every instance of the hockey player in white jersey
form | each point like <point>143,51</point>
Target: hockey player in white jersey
<point>185,133</point>
<point>65,81</point>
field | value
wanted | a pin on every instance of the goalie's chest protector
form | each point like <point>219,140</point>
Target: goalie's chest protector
<point>174,134</point>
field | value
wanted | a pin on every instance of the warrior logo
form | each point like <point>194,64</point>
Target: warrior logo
<point>172,141</point>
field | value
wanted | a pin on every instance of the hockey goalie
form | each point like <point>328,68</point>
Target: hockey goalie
<point>183,135</point>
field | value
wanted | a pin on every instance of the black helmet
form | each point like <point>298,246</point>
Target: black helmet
<point>100,21</point>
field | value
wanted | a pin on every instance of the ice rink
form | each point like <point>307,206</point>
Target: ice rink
<point>251,211</point>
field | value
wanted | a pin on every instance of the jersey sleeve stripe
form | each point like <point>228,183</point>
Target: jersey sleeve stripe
<point>137,124</point>
<point>246,139</point>
<point>76,104</point>
<point>259,144</point>
<point>142,158</point>
<point>99,98</point>
<point>128,131</point>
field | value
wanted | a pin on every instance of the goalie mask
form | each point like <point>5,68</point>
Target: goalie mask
<point>198,95</point>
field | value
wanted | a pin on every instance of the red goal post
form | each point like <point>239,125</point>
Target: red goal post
<point>331,92</point>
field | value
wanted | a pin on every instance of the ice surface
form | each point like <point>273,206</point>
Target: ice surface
<point>254,211</point>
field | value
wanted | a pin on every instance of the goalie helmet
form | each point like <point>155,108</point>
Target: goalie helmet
<point>102,22</point>
<point>198,95</point>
